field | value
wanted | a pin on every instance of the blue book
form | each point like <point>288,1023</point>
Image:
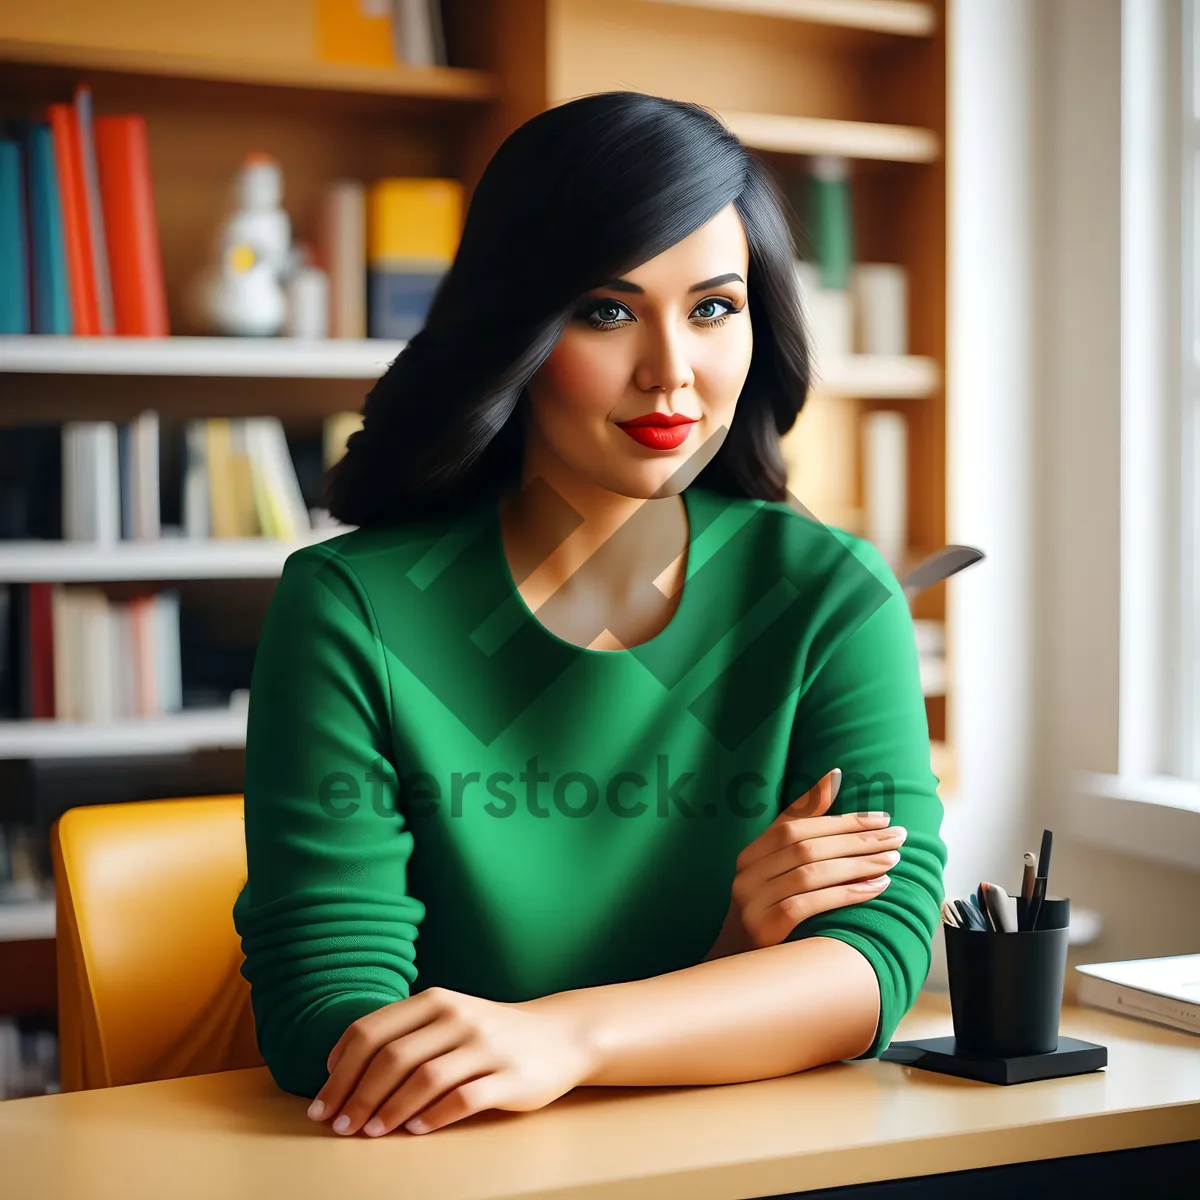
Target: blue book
<point>47,247</point>
<point>14,259</point>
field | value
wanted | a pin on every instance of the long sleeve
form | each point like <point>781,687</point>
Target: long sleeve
<point>326,925</point>
<point>864,711</point>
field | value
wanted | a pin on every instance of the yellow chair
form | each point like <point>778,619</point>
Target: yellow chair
<point>149,985</point>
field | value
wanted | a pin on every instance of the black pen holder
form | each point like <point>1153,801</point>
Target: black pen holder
<point>1006,988</point>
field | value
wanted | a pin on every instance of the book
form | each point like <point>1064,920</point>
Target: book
<point>93,207</point>
<point>146,513</point>
<point>91,493</point>
<point>14,252</point>
<point>85,317</point>
<point>272,462</point>
<point>50,291</point>
<point>413,229</point>
<point>355,32</point>
<point>414,34</point>
<point>139,296</point>
<point>218,457</point>
<point>1165,991</point>
<point>342,252</point>
<point>195,505</point>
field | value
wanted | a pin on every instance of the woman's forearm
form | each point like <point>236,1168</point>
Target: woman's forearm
<point>753,1015</point>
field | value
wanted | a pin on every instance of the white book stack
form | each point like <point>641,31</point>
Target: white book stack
<point>115,659</point>
<point>418,37</point>
<point>110,486</point>
<point>91,498</point>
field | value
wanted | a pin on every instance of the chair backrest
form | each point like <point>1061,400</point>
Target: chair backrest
<point>149,985</point>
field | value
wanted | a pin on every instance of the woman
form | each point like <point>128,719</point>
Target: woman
<point>574,700</point>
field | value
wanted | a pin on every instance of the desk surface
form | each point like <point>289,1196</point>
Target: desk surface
<point>235,1134</point>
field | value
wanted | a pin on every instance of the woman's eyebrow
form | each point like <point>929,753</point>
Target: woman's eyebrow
<point>623,285</point>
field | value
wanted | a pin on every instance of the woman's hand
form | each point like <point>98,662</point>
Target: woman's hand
<point>805,863</point>
<point>446,1055</point>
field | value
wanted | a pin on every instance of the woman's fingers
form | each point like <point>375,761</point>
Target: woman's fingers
<point>354,1051</point>
<point>799,851</point>
<point>825,873</point>
<point>391,1068</point>
<point>782,833</point>
<point>775,922</point>
<point>457,1084</point>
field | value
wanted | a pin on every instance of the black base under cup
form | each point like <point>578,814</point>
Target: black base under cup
<point>1006,988</point>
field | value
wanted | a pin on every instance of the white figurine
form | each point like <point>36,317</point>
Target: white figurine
<point>245,293</point>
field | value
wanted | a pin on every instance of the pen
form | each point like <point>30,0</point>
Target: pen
<point>1026,891</point>
<point>1040,882</point>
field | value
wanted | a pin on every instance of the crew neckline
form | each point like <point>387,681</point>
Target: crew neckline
<point>678,619</point>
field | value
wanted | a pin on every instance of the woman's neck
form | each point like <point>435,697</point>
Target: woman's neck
<point>595,551</point>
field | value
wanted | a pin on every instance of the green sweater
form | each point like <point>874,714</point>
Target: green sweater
<point>441,792</point>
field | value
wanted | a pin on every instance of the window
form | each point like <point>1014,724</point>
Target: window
<point>1152,805</point>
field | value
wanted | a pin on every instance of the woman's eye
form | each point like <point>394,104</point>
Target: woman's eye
<point>607,313</point>
<point>729,308</point>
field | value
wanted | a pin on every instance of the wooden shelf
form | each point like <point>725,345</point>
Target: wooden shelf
<point>869,376</point>
<point>879,377</point>
<point>278,358</point>
<point>171,733</point>
<point>819,135</point>
<point>445,83</point>
<point>906,17</point>
<point>167,558</point>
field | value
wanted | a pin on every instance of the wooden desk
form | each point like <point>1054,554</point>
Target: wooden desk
<point>235,1134</point>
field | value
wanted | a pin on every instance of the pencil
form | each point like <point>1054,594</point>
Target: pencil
<point>1026,893</point>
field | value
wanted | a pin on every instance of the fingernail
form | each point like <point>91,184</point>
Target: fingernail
<point>373,1128</point>
<point>872,818</point>
<point>316,1109</point>
<point>874,885</point>
<point>341,1124</point>
<point>416,1125</point>
<point>898,831</point>
<point>837,781</point>
<point>892,857</point>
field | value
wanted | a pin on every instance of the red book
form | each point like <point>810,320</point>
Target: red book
<point>131,226</point>
<point>41,637</point>
<point>81,278</point>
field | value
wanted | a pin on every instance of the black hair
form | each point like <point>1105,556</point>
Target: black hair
<point>577,195</point>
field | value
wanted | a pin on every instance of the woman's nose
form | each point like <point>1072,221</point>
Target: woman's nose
<point>664,365</point>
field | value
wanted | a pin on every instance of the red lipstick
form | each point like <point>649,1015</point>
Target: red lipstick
<point>659,431</point>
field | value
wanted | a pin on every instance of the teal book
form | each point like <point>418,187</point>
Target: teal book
<point>50,291</point>
<point>831,218</point>
<point>14,257</point>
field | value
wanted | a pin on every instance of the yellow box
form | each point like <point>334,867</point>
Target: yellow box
<point>414,220</point>
<point>355,32</point>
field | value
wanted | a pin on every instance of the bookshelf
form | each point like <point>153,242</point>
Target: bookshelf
<point>906,17</point>
<point>851,139</point>
<point>880,375</point>
<point>865,79</point>
<point>272,358</point>
<point>27,922</point>
<point>168,558</point>
<point>170,733</point>
<point>445,84</point>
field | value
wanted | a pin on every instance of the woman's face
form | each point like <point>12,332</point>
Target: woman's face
<point>671,337</point>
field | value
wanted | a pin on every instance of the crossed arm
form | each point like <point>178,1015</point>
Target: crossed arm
<point>755,1015</point>
<point>440,1056</point>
